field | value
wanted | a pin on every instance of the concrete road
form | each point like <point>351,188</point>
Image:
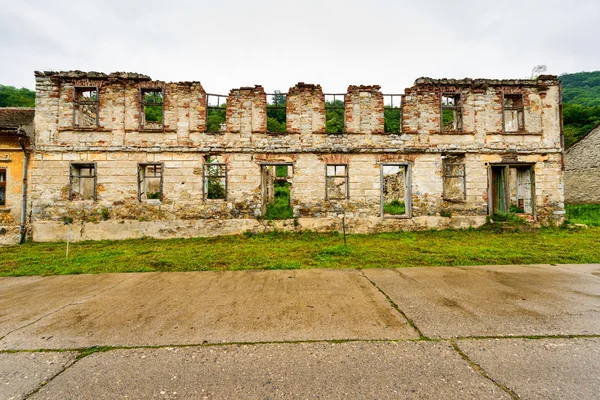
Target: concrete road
<point>462,332</point>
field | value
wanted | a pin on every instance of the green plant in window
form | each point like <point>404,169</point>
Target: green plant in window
<point>394,207</point>
<point>280,207</point>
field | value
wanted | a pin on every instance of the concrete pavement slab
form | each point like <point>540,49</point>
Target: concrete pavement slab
<point>592,269</point>
<point>24,300</point>
<point>408,370</point>
<point>244,306</point>
<point>542,368</point>
<point>22,373</point>
<point>494,300</point>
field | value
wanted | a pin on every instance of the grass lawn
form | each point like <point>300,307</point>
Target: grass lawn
<point>306,250</point>
<point>588,214</point>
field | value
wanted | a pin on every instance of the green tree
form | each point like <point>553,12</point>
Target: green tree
<point>581,104</point>
<point>334,117</point>
<point>215,118</point>
<point>13,97</point>
<point>276,113</point>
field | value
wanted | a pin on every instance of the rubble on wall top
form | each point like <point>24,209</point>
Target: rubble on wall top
<point>93,75</point>
<point>364,88</point>
<point>305,87</point>
<point>484,82</point>
<point>248,89</point>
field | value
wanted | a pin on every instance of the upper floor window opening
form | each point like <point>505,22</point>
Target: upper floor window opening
<point>216,113</point>
<point>85,107</point>
<point>451,115</point>
<point>512,113</point>
<point>335,113</point>
<point>152,110</point>
<point>392,113</point>
<point>276,112</point>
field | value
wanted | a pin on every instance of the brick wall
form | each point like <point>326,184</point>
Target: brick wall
<point>118,145</point>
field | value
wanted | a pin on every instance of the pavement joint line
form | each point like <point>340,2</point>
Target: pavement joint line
<point>530,337</point>
<point>47,381</point>
<point>479,369</point>
<point>395,307</point>
<point>75,303</point>
<point>103,348</point>
<point>332,341</point>
<point>99,349</point>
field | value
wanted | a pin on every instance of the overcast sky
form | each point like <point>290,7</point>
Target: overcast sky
<point>227,44</point>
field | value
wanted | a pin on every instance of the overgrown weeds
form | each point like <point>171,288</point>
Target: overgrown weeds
<point>588,214</point>
<point>285,250</point>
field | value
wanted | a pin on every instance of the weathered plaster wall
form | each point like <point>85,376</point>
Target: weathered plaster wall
<point>117,146</point>
<point>582,170</point>
<point>11,159</point>
<point>16,129</point>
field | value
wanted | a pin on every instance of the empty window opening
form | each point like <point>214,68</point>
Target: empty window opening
<point>512,107</point>
<point>216,105</point>
<point>512,189</point>
<point>150,182</point>
<point>451,112</point>
<point>336,179</point>
<point>85,107</point>
<point>2,187</point>
<point>82,182</point>
<point>392,113</point>
<point>215,178</point>
<point>394,190</point>
<point>334,113</point>
<point>276,191</point>
<point>455,178</point>
<point>276,107</point>
<point>152,110</point>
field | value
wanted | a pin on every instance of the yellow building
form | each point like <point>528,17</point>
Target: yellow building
<point>16,129</point>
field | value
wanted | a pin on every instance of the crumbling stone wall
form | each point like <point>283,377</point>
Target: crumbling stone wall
<point>582,170</point>
<point>118,146</point>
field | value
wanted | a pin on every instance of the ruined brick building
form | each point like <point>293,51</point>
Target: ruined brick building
<point>125,156</point>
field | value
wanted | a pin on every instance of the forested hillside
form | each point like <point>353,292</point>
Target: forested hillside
<point>13,97</point>
<point>581,104</point>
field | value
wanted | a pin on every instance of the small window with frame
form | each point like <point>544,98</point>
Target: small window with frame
<point>512,113</point>
<point>2,187</point>
<point>85,107</point>
<point>150,181</point>
<point>336,180</point>
<point>82,184</point>
<point>215,179</point>
<point>152,110</point>
<point>455,178</point>
<point>451,118</point>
